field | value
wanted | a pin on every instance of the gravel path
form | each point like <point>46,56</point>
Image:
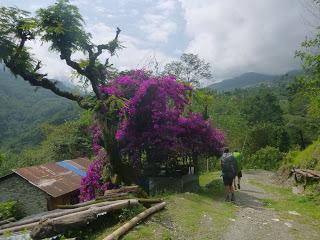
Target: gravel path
<point>254,221</point>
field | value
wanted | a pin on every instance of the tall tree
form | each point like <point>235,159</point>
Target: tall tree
<point>62,26</point>
<point>189,68</point>
<point>263,107</point>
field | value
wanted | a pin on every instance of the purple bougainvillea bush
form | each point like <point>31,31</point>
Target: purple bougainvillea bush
<point>154,124</point>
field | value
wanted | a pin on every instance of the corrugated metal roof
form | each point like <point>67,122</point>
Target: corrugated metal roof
<point>53,179</point>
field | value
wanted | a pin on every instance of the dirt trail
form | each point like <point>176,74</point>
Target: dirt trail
<point>254,221</point>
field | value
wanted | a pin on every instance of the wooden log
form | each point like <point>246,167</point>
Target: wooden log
<point>31,222</point>
<point>53,227</point>
<point>312,173</point>
<point>110,197</point>
<point>126,227</point>
<point>149,201</point>
<point>126,189</point>
<point>6,221</point>
<point>106,201</point>
<point>306,173</point>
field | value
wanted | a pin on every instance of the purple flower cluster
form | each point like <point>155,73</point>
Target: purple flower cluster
<point>92,182</point>
<point>153,118</point>
<point>154,122</point>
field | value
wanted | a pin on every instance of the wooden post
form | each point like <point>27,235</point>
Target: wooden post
<point>126,227</point>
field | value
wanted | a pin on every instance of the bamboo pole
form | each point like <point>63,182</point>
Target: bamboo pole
<point>126,227</point>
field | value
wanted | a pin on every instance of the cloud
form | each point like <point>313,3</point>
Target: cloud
<point>133,56</point>
<point>241,36</point>
<point>157,27</point>
<point>157,23</point>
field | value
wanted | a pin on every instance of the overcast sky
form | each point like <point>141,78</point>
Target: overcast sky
<point>234,36</point>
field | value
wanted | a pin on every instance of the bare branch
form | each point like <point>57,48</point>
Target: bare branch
<point>38,66</point>
<point>107,46</point>
<point>40,80</point>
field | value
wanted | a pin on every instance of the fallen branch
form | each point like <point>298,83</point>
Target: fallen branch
<point>53,227</point>
<point>126,227</point>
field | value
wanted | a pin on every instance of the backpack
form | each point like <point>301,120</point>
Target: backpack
<point>229,165</point>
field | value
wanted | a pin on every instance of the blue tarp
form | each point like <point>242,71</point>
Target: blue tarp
<point>72,168</point>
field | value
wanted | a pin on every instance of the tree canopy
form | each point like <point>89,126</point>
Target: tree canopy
<point>137,115</point>
<point>189,68</point>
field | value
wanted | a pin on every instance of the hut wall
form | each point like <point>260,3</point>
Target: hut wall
<point>31,199</point>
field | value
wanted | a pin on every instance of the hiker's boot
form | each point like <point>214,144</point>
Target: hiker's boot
<point>232,197</point>
<point>227,198</point>
<point>238,185</point>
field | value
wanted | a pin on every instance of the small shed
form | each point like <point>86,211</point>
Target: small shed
<point>43,187</point>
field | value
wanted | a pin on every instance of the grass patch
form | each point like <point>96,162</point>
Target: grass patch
<point>202,215</point>
<point>284,200</point>
<point>105,224</point>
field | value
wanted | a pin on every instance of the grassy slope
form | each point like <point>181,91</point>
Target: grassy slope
<point>308,158</point>
<point>188,215</point>
<point>308,204</point>
<point>23,109</point>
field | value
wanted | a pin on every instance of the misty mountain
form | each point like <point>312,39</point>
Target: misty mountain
<point>253,79</point>
<point>24,108</point>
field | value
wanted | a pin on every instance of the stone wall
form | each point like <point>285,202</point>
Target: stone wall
<point>185,183</point>
<point>31,199</point>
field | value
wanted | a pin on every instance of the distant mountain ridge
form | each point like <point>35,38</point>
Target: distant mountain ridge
<point>252,79</point>
<point>24,108</point>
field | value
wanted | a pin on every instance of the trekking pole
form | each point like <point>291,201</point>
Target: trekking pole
<point>244,143</point>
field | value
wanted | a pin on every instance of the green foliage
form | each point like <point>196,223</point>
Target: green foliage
<point>131,212</point>
<point>267,134</point>
<point>309,83</point>
<point>267,158</point>
<point>307,158</point>
<point>62,26</point>
<point>263,107</point>
<point>23,110</point>
<point>225,110</point>
<point>10,209</point>
<point>67,141</point>
<point>190,68</point>
<point>16,24</point>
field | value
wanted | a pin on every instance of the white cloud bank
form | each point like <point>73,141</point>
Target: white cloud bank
<point>247,35</point>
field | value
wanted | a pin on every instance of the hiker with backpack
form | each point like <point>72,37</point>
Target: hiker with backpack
<point>229,172</point>
<point>237,155</point>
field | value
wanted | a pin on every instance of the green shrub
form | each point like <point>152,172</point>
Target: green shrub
<point>10,209</point>
<point>267,158</point>
<point>308,158</point>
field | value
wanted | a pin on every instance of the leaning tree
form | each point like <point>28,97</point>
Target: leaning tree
<point>62,26</point>
<point>140,118</point>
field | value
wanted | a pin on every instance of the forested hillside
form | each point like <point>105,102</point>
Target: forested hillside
<point>24,108</point>
<point>253,79</point>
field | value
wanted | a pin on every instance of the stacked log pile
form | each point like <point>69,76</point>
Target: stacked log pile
<point>74,216</point>
<point>304,175</point>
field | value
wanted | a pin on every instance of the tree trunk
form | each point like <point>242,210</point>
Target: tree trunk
<point>53,227</point>
<point>19,225</point>
<point>303,144</point>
